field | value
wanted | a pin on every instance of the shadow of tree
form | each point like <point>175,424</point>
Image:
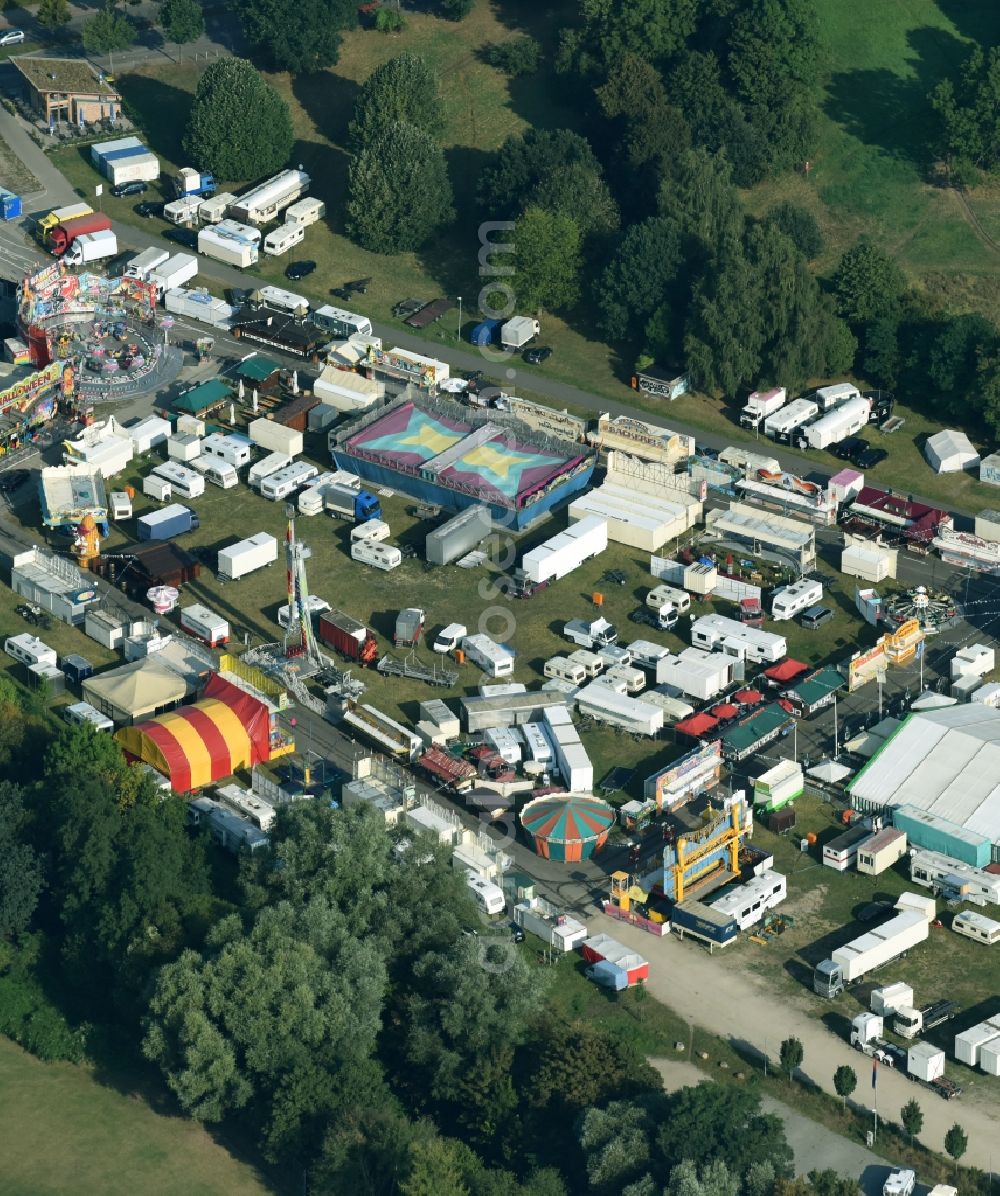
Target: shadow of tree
<point>882,108</point>
<point>162,112</point>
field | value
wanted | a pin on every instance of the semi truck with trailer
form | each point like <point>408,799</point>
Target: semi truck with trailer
<point>344,502</point>
<point>762,403</point>
<point>845,420</point>
<point>353,640</point>
<point>59,216</point>
<point>63,235</point>
<point>875,948</point>
<point>91,247</point>
<point>921,1061</point>
<point>908,1022</point>
<point>781,425</point>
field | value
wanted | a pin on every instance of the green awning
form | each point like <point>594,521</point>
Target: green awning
<point>203,398</point>
<point>257,369</point>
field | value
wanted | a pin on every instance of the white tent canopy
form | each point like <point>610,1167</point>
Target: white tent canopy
<point>949,451</point>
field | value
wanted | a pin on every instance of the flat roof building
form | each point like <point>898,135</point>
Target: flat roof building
<point>67,89</point>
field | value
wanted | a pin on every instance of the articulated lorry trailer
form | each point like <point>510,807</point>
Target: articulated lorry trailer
<point>852,962</point>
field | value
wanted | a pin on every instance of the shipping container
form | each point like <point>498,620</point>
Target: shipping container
<point>165,523</point>
<point>275,437</point>
<point>349,637</point>
<point>246,556</point>
<point>205,625</point>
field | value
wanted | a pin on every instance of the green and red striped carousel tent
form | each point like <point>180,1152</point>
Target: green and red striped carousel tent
<point>567,826</point>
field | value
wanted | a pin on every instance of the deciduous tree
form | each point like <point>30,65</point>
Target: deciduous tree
<point>718,1121</point>
<point>845,1080</point>
<point>183,21</point>
<point>297,35</point>
<point>399,193</point>
<point>402,90</point>
<point>799,225</point>
<point>239,127</point>
<point>967,111</point>
<point>639,278</point>
<point>107,31</point>
<point>791,1056</point>
<point>54,14</point>
<point>523,163</point>
<point>21,874</point>
<point>651,29</point>
<point>548,259</point>
<point>867,284</point>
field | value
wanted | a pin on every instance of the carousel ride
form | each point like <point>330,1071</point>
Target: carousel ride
<point>933,610</point>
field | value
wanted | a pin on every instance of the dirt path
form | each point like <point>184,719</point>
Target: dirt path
<point>970,217</point>
<point>709,992</point>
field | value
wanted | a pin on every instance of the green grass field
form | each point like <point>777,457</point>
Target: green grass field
<point>65,1132</point>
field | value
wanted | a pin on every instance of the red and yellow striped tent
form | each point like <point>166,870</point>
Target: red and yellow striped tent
<point>195,745</point>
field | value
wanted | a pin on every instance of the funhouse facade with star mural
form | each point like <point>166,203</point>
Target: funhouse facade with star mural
<point>440,453</point>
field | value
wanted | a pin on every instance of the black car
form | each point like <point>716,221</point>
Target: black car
<point>537,356</point>
<point>238,296</point>
<point>295,271</point>
<point>869,457</point>
<point>848,449</point>
<point>135,187</point>
<point>149,207</point>
<point>12,479</point>
<point>183,236</point>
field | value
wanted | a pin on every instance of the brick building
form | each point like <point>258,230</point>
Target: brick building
<point>68,90</point>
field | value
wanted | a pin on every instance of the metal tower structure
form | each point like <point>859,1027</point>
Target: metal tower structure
<point>300,640</point>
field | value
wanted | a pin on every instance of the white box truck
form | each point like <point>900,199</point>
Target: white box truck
<point>91,247</point>
<point>792,599</point>
<point>173,273</point>
<point>846,420</point>
<point>247,555</point>
<point>761,404</point>
<point>783,422</point>
<point>871,950</point>
<point>205,625</point>
<point>143,264</point>
<point>518,331</point>
<point>381,556</point>
<point>227,248</point>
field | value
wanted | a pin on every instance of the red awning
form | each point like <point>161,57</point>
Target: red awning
<point>788,670</point>
<point>697,724</point>
<point>748,697</point>
<point>724,710</point>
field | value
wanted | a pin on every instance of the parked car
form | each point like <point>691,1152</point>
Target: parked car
<point>870,457</point>
<point>149,207</point>
<point>538,355</point>
<point>295,271</point>
<point>516,933</point>
<point>848,448</point>
<point>183,236</point>
<point>134,187</point>
<point>12,479</point>
<point>816,616</point>
<point>12,37</point>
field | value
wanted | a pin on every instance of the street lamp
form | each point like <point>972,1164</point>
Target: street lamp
<point>459,297</point>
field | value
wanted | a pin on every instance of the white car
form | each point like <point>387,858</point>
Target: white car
<point>13,37</point>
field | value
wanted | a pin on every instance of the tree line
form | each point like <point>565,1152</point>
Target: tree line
<point>324,1001</point>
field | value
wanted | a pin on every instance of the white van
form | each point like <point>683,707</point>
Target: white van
<point>977,927</point>
<point>218,472</point>
<point>565,670</point>
<point>279,240</point>
<point>448,638</point>
<point>488,897</point>
<point>83,712</point>
<point>184,482</point>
